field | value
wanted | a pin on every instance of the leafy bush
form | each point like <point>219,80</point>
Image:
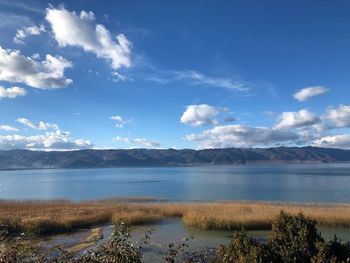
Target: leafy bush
<point>332,251</point>
<point>243,249</point>
<point>294,239</point>
<point>118,249</point>
<point>177,253</point>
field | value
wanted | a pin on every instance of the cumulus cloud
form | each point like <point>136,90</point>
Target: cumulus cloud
<point>200,115</point>
<point>38,126</point>
<point>333,141</point>
<point>138,142</point>
<point>339,116</point>
<point>12,92</point>
<point>53,139</point>
<point>241,136</point>
<point>306,93</point>
<point>28,31</point>
<point>299,119</point>
<point>47,74</point>
<point>298,128</point>
<point>119,121</point>
<point>8,128</point>
<point>80,30</point>
<point>57,140</point>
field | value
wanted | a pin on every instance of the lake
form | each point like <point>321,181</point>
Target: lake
<point>287,182</point>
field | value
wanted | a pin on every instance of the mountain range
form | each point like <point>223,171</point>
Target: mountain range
<point>26,159</point>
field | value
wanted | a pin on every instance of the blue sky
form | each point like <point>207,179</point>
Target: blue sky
<point>181,74</point>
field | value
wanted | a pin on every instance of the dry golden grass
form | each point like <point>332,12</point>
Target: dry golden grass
<point>52,216</point>
<point>46,217</point>
<point>228,216</point>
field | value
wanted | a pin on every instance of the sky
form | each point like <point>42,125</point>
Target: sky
<point>174,74</point>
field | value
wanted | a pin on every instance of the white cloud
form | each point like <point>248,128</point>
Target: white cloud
<point>197,79</point>
<point>200,115</point>
<point>333,141</point>
<point>8,128</point>
<point>47,74</point>
<point>121,139</point>
<point>27,31</point>
<point>201,79</point>
<point>241,136</point>
<point>138,142</point>
<point>339,116</point>
<point>299,119</point>
<point>270,114</point>
<point>80,30</point>
<point>83,143</point>
<point>146,143</point>
<point>35,56</point>
<point>28,6</point>
<point>51,140</point>
<point>119,121</point>
<point>12,92</point>
<point>306,93</point>
<point>38,126</point>
<point>56,140</point>
<point>11,22</point>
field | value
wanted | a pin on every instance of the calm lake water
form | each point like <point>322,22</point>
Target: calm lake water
<point>296,183</point>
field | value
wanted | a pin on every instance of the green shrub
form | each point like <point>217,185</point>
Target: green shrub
<point>332,251</point>
<point>118,249</point>
<point>243,249</point>
<point>294,238</point>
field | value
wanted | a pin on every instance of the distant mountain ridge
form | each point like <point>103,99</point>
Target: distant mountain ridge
<point>26,159</point>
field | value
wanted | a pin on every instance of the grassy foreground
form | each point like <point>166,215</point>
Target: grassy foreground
<point>47,217</point>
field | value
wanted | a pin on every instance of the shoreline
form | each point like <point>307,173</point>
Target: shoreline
<point>247,163</point>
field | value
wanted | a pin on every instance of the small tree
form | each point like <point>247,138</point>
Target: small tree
<point>332,251</point>
<point>118,249</point>
<point>243,249</point>
<point>294,238</point>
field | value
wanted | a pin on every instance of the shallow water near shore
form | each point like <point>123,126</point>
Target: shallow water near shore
<point>284,182</point>
<point>173,230</point>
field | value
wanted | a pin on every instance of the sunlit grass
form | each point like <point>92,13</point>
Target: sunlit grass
<point>47,217</point>
<point>255,216</point>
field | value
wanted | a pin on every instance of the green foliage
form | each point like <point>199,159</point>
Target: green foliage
<point>243,249</point>
<point>294,238</point>
<point>15,252</point>
<point>177,252</point>
<point>332,251</point>
<point>118,249</point>
<point>11,254</point>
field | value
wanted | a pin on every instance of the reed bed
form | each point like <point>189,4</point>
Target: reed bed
<point>259,216</point>
<point>48,217</point>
